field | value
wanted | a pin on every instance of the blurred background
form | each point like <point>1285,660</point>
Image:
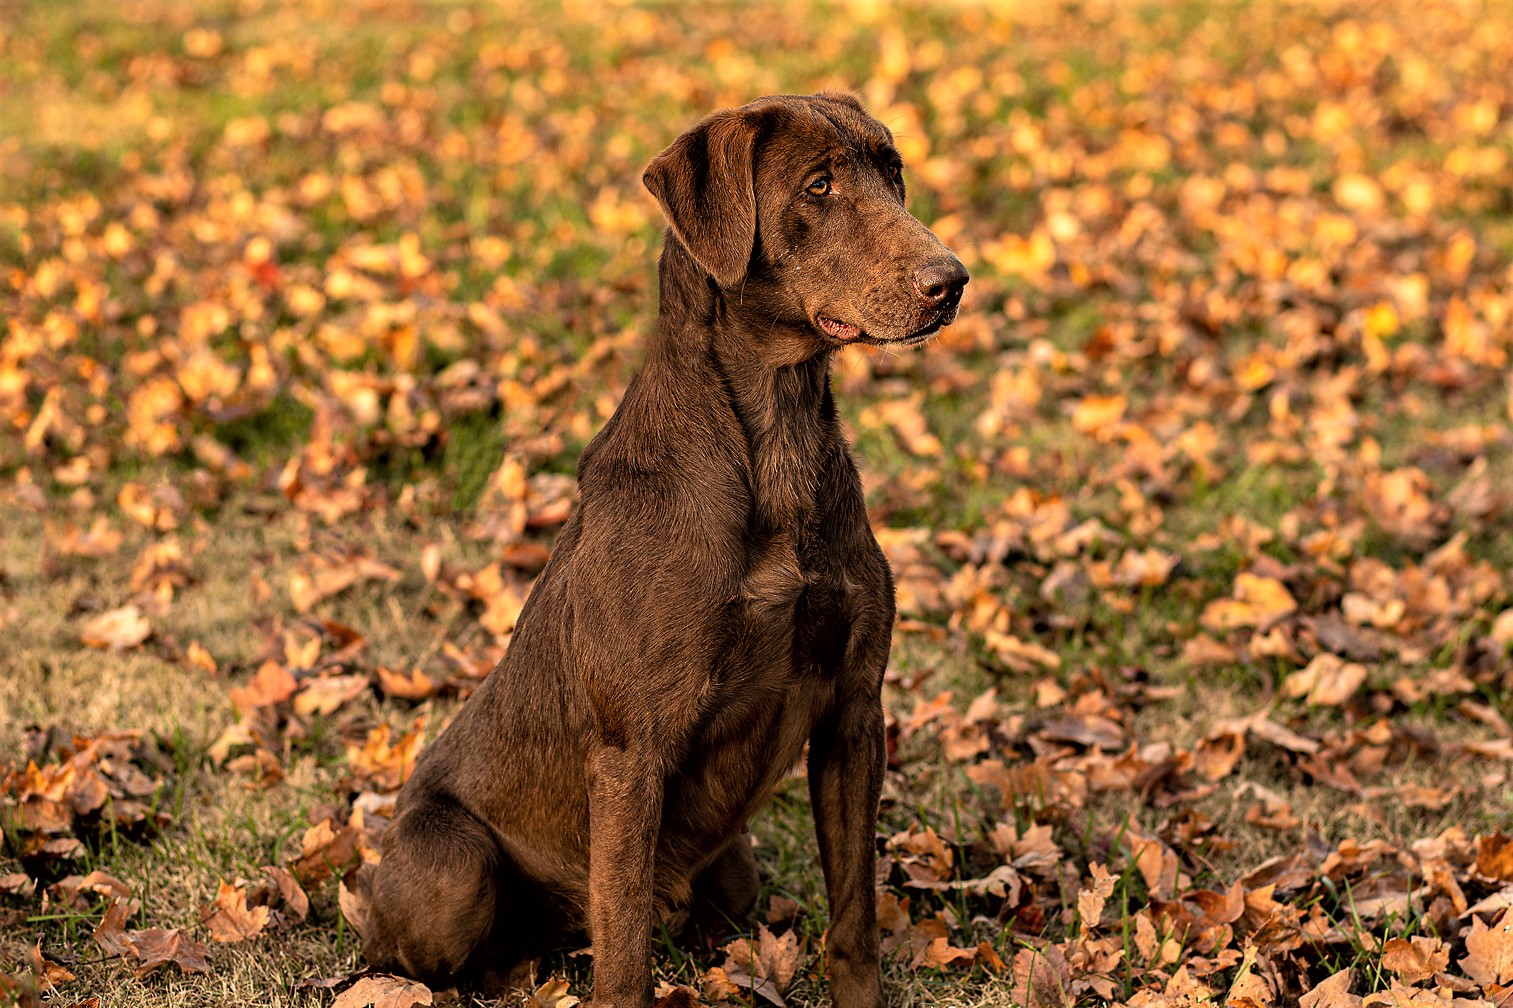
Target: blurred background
<point>1199,513</point>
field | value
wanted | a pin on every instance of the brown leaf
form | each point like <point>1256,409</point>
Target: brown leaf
<point>110,933</point>
<point>1494,857</point>
<point>324,851</point>
<point>48,974</point>
<point>1416,959</point>
<point>718,986</point>
<point>383,991</point>
<point>1091,899</point>
<point>200,658</point>
<point>383,764</point>
<point>1248,989</point>
<point>1042,979</point>
<point>271,685</point>
<point>1277,735</point>
<point>293,895</point>
<point>353,895</point>
<point>1096,414</point>
<point>1333,992</point>
<point>1328,680</point>
<point>414,685</point>
<point>327,693</point>
<point>1489,951</point>
<point>1025,657</point>
<point>680,996</point>
<point>781,909</point>
<point>229,918</point>
<point>940,953</point>
<point>69,889</point>
<point>159,946</point>
<point>769,961</point>
<point>1203,651</point>
<point>1216,756</point>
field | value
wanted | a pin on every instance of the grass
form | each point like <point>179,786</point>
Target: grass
<point>492,156</point>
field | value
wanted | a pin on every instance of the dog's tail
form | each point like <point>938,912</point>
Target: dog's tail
<point>435,894</point>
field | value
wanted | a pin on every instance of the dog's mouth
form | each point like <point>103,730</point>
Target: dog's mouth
<point>843,332</point>
<point>846,333</point>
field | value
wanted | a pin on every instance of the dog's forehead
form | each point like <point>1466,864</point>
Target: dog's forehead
<point>798,127</point>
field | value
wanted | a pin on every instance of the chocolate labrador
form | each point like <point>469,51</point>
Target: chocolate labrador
<point>716,601</point>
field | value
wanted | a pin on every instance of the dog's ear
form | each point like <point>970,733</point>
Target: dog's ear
<point>704,183</point>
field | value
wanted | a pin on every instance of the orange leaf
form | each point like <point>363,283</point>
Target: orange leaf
<point>1489,951</point>
<point>1416,959</point>
<point>229,918</point>
<point>1257,602</point>
<point>1096,414</point>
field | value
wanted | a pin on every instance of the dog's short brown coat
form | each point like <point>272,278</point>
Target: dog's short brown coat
<point>716,601</point>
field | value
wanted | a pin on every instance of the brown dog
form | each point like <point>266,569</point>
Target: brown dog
<point>716,601</point>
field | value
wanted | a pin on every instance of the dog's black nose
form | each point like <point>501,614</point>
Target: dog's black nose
<point>940,280</point>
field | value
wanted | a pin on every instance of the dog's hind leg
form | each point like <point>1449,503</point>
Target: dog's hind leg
<point>435,895</point>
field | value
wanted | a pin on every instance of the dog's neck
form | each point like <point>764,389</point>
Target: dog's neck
<point>776,378</point>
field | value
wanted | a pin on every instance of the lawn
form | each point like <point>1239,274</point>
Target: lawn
<point>1201,514</point>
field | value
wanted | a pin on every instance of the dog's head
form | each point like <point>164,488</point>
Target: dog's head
<point>798,201</point>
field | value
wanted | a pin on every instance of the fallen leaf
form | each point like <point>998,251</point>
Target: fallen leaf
<point>383,991</point>
<point>1258,602</point>
<point>1327,680</point>
<point>325,694</point>
<point>229,918</point>
<point>552,994</point>
<point>1416,959</point>
<point>117,630</point>
<point>1042,979</point>
<point>1091,899</point>
<point>1489,951</point>
<point>290,892</point>
<point>1333,992</point>
<point>159,946</point>
<point>110,933</point>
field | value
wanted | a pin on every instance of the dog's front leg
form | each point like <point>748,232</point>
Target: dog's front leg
<point>847,757</point>
<point>624,817</point>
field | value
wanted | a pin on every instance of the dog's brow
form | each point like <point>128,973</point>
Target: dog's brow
<point>826,159</point>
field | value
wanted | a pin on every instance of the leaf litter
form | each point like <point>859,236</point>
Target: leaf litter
<point>1209,489</point>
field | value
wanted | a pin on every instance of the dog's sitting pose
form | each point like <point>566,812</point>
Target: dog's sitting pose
<point>716,601</point>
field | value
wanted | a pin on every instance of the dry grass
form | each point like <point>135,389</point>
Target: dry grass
<point>1152,208</point>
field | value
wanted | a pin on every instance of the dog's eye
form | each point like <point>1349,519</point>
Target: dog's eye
<point>896,171</point>
<point>819,187</point>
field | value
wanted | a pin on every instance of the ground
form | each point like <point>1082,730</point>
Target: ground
<point>1200,513</point>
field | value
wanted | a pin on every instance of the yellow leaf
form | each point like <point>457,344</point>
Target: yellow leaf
<point>1258,602</point>
<point>1358,192</point>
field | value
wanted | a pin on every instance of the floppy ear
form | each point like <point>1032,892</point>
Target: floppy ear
<point>704,183</point>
